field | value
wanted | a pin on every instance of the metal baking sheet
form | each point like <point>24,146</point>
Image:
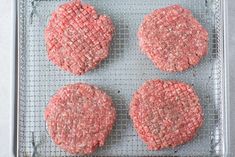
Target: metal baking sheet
<point>119,75</point>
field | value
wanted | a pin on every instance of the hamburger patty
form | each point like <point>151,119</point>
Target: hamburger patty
<point>77,38</point>
<point>166,113</point>
<point>79,118</point>
<point>173,39</point>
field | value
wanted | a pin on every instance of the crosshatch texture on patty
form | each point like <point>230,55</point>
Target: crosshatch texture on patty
<point>77,38</point>
<point>173,39</point>
<point>79,118</point>
<point>166,113</point>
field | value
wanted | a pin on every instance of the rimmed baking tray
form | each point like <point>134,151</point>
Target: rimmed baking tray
<point>120,75</point>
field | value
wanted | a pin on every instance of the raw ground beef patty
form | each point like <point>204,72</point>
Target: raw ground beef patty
<point>173,39</point>
<point>77,38</point>
<point>79,118</point>
<point>165,113</point>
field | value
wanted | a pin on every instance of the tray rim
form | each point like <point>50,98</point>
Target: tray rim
<point>227,151</point>
<point>16,80</point>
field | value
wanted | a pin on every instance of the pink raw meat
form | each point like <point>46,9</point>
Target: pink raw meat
<point>77,38</point>
<point>166,113</point>
<point>173,39</point>
<point>79,118</point>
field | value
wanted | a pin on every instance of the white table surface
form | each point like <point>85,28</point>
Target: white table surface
<point>6,38</point>
<point>6,50</point>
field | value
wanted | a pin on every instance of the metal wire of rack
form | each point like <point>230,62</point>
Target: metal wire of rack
<point>119,75</point>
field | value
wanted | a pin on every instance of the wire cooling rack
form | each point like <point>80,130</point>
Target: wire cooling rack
<point>119,75</point>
